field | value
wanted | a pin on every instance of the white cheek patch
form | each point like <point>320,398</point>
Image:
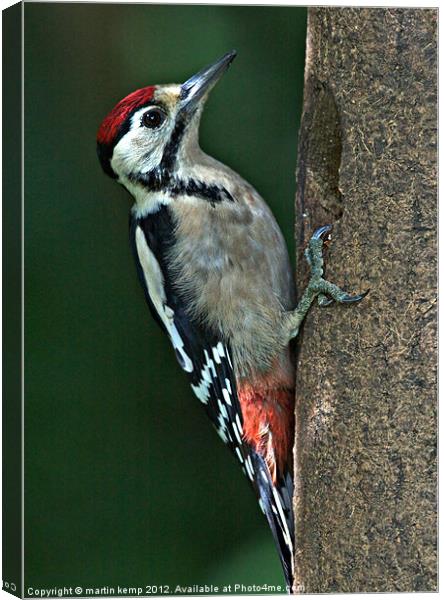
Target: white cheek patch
<point>155,285</point>
<point>140,150</point>
<point>136,152</point>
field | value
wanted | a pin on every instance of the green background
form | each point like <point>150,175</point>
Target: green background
<point>126,481</point>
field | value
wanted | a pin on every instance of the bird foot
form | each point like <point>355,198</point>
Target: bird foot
<point>325,291</point>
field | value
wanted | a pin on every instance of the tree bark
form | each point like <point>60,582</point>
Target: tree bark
<point>365,472</point>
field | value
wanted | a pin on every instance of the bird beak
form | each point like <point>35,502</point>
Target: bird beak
<point>200,84</point>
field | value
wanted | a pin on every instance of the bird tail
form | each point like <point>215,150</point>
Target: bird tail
<point>275,500</point>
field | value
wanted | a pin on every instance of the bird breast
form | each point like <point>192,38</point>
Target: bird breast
<point>231,265</point>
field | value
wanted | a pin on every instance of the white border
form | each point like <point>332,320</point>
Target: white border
<point>345,3</point>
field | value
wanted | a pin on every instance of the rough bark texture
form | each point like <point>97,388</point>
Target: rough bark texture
<point>365,500</point>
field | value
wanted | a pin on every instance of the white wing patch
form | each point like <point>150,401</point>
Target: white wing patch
<point>228,423</point>
<point>208,372</point>
<point>155,284</point>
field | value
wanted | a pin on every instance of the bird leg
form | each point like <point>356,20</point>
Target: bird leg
<point>325,291</point>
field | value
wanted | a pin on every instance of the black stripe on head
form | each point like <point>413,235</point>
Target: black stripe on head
<point>170,151</point>
<point>162,178</point>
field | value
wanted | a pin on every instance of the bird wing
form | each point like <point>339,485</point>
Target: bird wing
<point>207,360</point>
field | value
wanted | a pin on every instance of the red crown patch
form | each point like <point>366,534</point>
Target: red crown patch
<point>110,125</point>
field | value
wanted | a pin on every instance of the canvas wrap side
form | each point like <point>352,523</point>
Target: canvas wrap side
<point>12,300</point>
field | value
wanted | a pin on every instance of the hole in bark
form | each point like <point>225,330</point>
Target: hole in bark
<point>325,149</point>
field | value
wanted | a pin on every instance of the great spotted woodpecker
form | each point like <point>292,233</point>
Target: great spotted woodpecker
<point>216,275</point>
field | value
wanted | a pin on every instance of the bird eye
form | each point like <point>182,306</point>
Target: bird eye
<point>153,118</point>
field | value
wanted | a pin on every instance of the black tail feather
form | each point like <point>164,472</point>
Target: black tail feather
<point>276,504</point>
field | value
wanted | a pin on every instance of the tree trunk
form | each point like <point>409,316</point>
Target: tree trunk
<point>365,499</point>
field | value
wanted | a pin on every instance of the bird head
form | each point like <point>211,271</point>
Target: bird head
<point>147,132</point>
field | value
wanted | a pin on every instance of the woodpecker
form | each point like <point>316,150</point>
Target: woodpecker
<point>217,278</point>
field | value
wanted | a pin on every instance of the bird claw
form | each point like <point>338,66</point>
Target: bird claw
<point>321,231</point>
<point>337,295</point>
<point>323,301</point>
<point>313,252</point>
<point>326,291</point>
<point>356,298</point>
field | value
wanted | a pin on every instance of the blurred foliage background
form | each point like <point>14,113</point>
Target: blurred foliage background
<point>126,481</point>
